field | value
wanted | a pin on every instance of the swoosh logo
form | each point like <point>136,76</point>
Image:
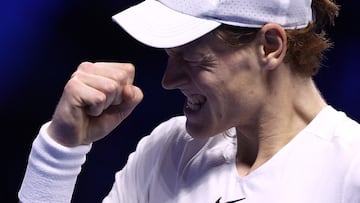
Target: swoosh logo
<point>238,200</point>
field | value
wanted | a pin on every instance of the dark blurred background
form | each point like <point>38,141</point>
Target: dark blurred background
<point>41,44</point>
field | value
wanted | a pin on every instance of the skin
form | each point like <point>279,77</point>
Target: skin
<point>97,98</point>
<point>248,87</point>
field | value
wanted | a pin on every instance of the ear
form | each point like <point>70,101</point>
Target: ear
<point>273,45</point>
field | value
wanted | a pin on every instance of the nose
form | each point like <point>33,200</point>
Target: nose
<point>175,75</point>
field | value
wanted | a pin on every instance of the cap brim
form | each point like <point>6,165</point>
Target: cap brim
<point>156,25</point>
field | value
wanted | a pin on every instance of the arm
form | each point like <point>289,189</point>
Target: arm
<point>52,170</point>
<point>97,98</point>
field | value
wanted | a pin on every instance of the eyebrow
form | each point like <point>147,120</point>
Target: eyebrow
<point>180,49</point>
<point>176,50</point>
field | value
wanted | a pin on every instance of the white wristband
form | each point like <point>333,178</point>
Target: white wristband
<point>52,170</point>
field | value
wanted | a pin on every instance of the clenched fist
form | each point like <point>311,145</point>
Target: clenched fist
<point>97,98</point>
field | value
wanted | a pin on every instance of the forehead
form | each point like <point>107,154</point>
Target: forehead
<point>205,44</point>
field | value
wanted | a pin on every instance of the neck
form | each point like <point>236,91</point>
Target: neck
<point>286,113</point>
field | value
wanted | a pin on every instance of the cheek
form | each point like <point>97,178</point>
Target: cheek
<point>221,101</point>
<point>238,97</point>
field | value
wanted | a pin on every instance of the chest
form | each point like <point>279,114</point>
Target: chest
<point>216,180</point>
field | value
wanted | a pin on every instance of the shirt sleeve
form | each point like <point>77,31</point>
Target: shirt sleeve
<point>133,181</point>
<point>51,171</point>
<point>130,177</point>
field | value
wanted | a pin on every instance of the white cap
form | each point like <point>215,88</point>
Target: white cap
<point>172,23</point>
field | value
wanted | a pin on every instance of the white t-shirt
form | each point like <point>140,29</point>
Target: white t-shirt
<point>320,165</point>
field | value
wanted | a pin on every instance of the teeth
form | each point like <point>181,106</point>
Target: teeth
<point>192,106</point>
<point>194,102</point>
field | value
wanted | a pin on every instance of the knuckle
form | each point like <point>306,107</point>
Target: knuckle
<point>85,66</point>
<point>128,70</point>
<point>128,73</point>
<point>119,75</point>
<point>98,99</point>
<point>71,84</point>
<point>129,67</point>
<point>110,87</point>
<point>131,70</point>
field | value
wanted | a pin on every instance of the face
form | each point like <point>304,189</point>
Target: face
<point>222,84</point>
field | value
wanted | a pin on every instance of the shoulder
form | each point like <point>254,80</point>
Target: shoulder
<point>335,138</point>
<point>347,130</point>
<point>346,137</point>
<point>169,131</point>
<point>337,132</point>
<point>165,134</point>
<point>174,125</point>
<point>335,126</point>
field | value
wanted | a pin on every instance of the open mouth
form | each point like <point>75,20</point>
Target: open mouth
<point>195,102</point>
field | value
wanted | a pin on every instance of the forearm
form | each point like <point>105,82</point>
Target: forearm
<point>51,171</point>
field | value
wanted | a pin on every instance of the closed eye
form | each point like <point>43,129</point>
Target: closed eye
<point>207,61</point>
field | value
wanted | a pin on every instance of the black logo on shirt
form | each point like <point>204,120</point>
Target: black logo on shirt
<point>238,200</point>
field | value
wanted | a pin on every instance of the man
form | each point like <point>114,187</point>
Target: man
<point>256,128</point>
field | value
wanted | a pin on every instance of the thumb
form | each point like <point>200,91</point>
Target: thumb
<point>115,114</point>
<point>131,97</point>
